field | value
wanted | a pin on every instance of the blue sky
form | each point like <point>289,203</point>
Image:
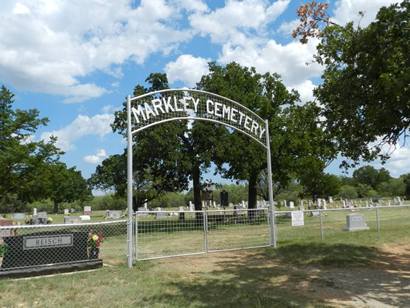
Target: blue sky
<point>76,60</point>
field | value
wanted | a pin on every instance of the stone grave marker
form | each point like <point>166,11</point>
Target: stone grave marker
<point>18,216</point>
<point>291,205</point>
<point>66,211</point>
<point>85,218</point>
<point>297,218</point>
<point>72,219</point>
<point>355,222</point>
<point>114,214</point>
<point>87,210</point>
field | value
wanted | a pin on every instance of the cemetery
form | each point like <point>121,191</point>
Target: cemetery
<point>237,153</point>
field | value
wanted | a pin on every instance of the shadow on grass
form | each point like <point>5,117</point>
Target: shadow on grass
<point>296,275</point>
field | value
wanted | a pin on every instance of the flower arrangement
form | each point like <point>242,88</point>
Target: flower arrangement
<point>94,243</point>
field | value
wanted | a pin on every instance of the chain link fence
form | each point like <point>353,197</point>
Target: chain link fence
<point>159,234</point>
<point>28,246</point>
<point>166,234</point>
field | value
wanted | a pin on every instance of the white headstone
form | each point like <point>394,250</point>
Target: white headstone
<point>330,199</point>
<point>146,205</point>
<point>34,211</point>
<point>214,203</point>
<point>66,212</point>
<point>324,204</point>
<point>297,218</point>
<point>355,222</point>
<point>87,210</point>
<point>191,206</point>
<point>291,205</point>
<point>85,218</point>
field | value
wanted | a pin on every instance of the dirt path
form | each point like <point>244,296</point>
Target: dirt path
<point>383,282</point>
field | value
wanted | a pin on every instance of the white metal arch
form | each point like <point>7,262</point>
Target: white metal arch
<point>131,132</point>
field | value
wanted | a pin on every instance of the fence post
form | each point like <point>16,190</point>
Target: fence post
<point>378,221</point>
<point>205,225</point>
<point>136,236</point>
<point>322,235</point>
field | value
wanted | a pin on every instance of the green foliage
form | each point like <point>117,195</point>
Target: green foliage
<point>365,90</point>
<point>348,192</point>
<point>108,202</point>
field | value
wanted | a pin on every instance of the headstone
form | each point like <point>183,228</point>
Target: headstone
<point>85,217</point>
<point>66,211</point>
<point>191,206</point>
<point>285,204</point>
<point>160,215</point>
<point>297,218</point>
<point>343,203</point>
<point>34,211</point>
<point>319,203</point>
<point>18,216</point>
<point>40,219</point>
<point>315,213</point>
<point>214,204</point>
<point>291,205</point>
<point>72,219</point>
<point>72,210</point>
<point>87,210</point>
<point>355,222</point>
<point>114,214</point>
<point>5,232</point>
<point>324,204</point>
<point>146,205</point>
<point>330,199</point>
<point>243,204</point>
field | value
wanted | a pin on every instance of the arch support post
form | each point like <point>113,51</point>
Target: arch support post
<point>272,227</point>
<point>129,184</point>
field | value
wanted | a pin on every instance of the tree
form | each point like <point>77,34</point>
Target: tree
<point>22,159</point>
<point>65,184</point>
<point>348,192</point>
<point>365,90</point>
<point>268,97</point>
<point>368,175</point>
<point>166,157</point>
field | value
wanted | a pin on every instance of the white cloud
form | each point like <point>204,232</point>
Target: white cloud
<point>188,69</point>
<point>192,5</point>
<point>236,18</point>
<point>305,90</point>
<point>96,158</point>
<point>348,10</point>
<point>50,46</point>
<point>292,61</point>
<point>98,125</point>
<point>287,27</point>
<point>399,162</point>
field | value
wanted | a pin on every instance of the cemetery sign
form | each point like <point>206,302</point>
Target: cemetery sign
<point>167,105</point>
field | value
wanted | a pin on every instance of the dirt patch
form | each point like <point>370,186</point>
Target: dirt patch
<point>384,281</point>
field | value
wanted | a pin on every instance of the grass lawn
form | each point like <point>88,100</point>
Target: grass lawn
<point>363,268</point>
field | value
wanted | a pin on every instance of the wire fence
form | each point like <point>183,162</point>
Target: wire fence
<point>161,234</point>
<point>27,246</point>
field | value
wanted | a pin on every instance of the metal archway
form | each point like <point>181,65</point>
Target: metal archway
<point>162,106</point>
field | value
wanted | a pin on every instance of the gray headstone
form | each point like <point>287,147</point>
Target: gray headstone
<point>115,214</point>
<point>355,222</point>
<point>18,216</point>
<point>72,219</point>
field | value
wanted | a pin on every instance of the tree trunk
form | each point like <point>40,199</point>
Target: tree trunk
<point>252,195</point>
<point>55,210</point>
